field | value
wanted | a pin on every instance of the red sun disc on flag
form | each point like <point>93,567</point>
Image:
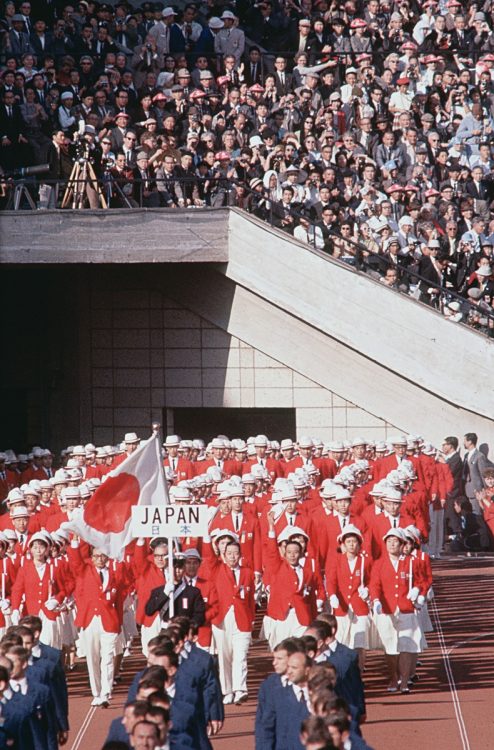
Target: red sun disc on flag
<point>109,509</point>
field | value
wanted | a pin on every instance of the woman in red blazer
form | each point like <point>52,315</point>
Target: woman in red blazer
<point>347,582</point>
<point>395,586</point>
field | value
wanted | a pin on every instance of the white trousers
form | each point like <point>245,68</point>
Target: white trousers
<point>232,646</point>
<point>436,535</point>
<point>99,648</point>
<point>148,632</point>
<point>277,630</point>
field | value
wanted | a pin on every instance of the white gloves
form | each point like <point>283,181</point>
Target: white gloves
<point>4,605</point>
<point>420,602</point>
<point>334,601</point>
<point>363,592</point>
<point>413,594</point>
<point>319,604</point>
<point>51,604</point>
<point>15,617</point>
<point>430,594</point>
<point>169,588</point>
<point>377,607</point>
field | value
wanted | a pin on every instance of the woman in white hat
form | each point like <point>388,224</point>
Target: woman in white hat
<point>348,590</point>
<point>395,586</point>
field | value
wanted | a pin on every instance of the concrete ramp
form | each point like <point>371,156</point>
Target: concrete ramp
<point>377,348</point>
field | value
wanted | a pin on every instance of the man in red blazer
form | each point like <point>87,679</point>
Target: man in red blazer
<point>261,458</point>
<point>209,594</point>
<point>232,627</point>
<point>131,442</point>
<point>180,466</point>
<point>292,600</point>
<point>150,569</point>
<point>391,518</point>
<point>383,466</point>
<point>101,588</point>
<point>228,466</point>
<point>242,520</point>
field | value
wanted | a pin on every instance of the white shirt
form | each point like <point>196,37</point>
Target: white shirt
<point>19,685</point>
<point>298,570</point>
<point>106,576</point>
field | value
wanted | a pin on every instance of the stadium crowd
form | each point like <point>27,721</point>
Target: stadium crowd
<point>363,128</point>
<point>330,542</point>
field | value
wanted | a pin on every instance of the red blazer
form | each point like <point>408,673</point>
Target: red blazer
<point>90,598</point>
<point>184,470</point>
<point>210,596</point>
<point>345,584</point>
<point>148,577</point>
<point>249,537</point>
<point>273,467</point>
<point>286,592</point>
<point>92,472</point>
<point>37,591</point>
<point>8,573</point>
<point>240,596</point>
<point>380,525</point>
<point>230,468</point>
<point>383,466</point>
<point>333,530</point>
<point>328,467</point>
<point>391,587</point>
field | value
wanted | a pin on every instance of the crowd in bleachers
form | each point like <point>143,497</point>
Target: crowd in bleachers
<point>362,128</point>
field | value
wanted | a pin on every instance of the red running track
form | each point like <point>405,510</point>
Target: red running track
<point>449,709</point>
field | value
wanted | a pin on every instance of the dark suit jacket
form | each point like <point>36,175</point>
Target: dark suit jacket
<point>349,683</point>
<point>189,603</point>
<point>117,732</point>
<point>265,709</point>
<point>283,89</point>
<point>280,724</point>
<point>456,467</point>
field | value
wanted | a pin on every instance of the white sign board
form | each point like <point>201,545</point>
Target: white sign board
<point>170,520</point>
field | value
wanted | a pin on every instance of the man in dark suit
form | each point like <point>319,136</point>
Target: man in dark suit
<point>279,726</point>
<point>474,464</point>
<point>270,687</point>
<point>12,139</point>
<point>19,40</point>
<point>478,188</point>
<point>253,67</point>
<point>349,683</point>
<point>187,600</point>
<point>283,80</point>
<point>461,39</point>
<point>121,728</point>
<point>452,458</point>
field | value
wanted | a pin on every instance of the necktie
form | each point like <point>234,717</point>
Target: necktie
<point>343,522</point>
<point>301,698</point>
<point>395,523</point>
<point>237,522</point>
<point>102,578</point>
<point>9,109</point>
<point>234,577</point>
<point>21,539</point>
<point>291,520</point>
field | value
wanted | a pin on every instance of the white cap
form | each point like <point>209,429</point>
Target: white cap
<point>78,450</point>
<point>171,440</point>
<point>19,512</point>
<point>286,444</point>
<point>397,440</point>
<point>15,496</point>
<point>219,533</point>
<point>305,442</point>
<point>397,533</point>
<point>290,531</point>
<point>70,493</point>
<point>350,529</point>
<point>391,494</point>
<point>358,441</point>
<point>166,12</point>
<point>227,14</point>
<point>336,446</point>
<point>288,493</point>
<point>248,478</point>
<point>342,494</point>
<point>40,536</point>
<point>131,437</point>
<point>217,443</point>
<point>260,440</point>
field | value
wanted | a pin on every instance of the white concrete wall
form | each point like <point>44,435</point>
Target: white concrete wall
<point>147,352</point>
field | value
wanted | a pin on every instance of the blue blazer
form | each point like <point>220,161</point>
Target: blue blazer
<point>38,731</point>
<point>213,697</point>
<point>117,732</point>
<point>280,723</point>
<point>349,683</point>
<point>51,674</point>
<point>265,712</point>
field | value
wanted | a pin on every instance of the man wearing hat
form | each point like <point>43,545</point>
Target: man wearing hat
<point>392,517</point>
<point>187,599</point>
<point>131,443</point>
<point>383,466</point>
<point>261,459</point>
<point>181,466</point>
<point>230,40</point>
<point>242,520</point>
<point>192,577</point>
<point>168,36</point>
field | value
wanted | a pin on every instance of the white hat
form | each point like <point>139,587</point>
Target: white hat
<point>71,492</point>
<point>259,471</point>
<point>61,477</point>
<point>180,494</point>
<point>288,493</point>
<point>171,440</point>
<point>66,95</point>
<point>290,531</point>
<point>484,271</point>
<point>19,512</point>
<point>381,446</point>
<point>412,532</point>
<point>192,552</point>
<point>219,533</point>
<point>217,443</point>
<point>328,488</point>
<point>397,533</point>
<point>78,450</point>
<point>391,494</point>
<point>15,496</point>
<point>166,12</point>
<point>350,529</point>
<point>90,447</point>
<point>214,473</point>
<point>397,440</point>
<point>286,444</point>
<point>358,441</point>
<point>239,445</point>
<point>227,14</point>
<point>131,437</point>
<point>40,536</point>
<point>342,494</point>
<point>3,538</point>
<point>336,446</point>
<point>248,478</point>
<point>215,23</point>
<point>305,442</point>
<point>429,450</point>
<point>260,440</point>
<point>45,484</point>
<point>10,535</point>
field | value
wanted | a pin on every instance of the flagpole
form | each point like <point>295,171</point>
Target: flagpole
<point>171,608</point>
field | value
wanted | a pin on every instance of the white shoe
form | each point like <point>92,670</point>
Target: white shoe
<point>228,699</point>
<point>104,701</point>
<point>96,701</point>
<point>240,697</point>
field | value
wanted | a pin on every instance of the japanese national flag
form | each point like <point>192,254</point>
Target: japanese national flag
<point>105,520</point>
